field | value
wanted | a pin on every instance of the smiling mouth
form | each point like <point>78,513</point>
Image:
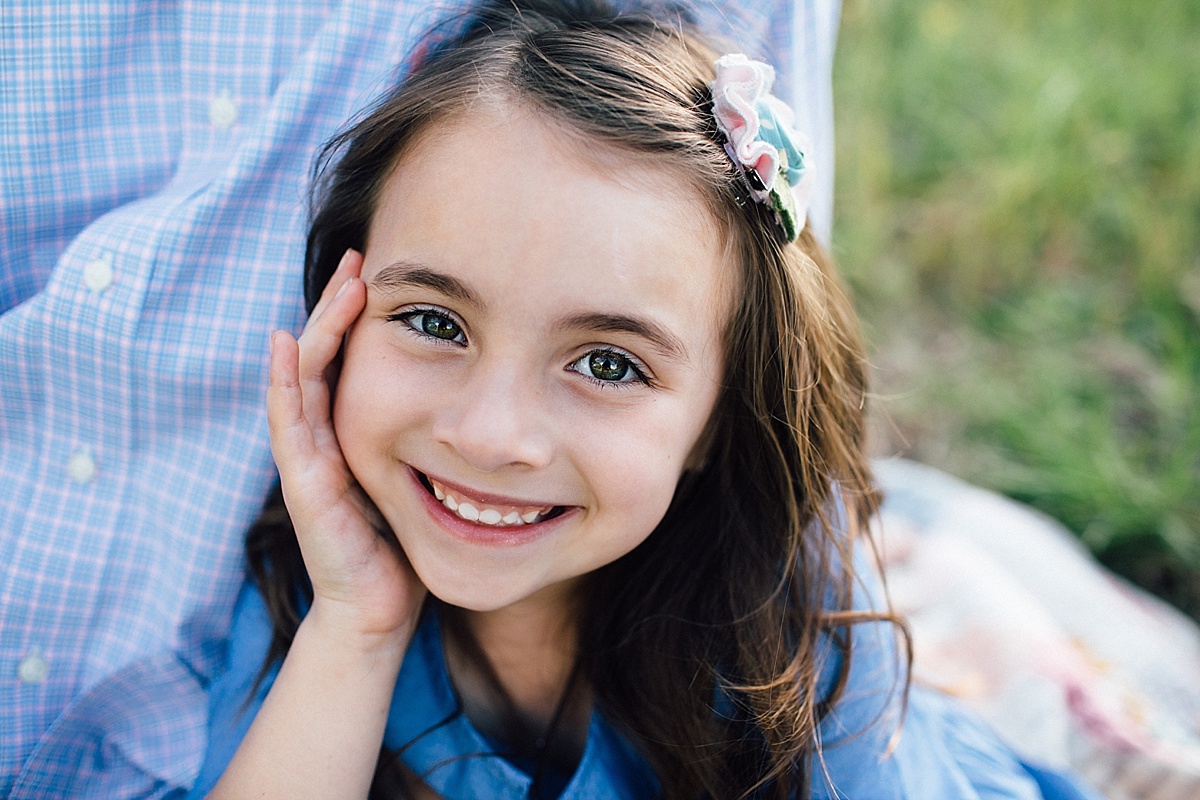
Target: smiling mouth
<point>482,513</point>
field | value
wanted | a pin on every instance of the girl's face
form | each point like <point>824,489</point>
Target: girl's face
<point>538,357</point>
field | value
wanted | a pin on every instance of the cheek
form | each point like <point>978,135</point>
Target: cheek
<point>638,465</point>
<point>380,392</point>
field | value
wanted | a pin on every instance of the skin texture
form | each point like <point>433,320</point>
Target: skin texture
<point>521,271</point>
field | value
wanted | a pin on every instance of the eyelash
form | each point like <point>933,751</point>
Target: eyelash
<point>639,370</point>
<point>408,315</point>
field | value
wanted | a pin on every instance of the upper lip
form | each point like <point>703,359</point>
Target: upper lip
<point>488,498</point>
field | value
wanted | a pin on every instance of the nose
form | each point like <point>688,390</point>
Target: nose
<point>496,420</point>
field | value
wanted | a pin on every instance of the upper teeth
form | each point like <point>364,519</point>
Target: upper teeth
<point>475,511</point>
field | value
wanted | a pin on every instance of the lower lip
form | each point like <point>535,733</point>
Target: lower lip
<point>492,535</point>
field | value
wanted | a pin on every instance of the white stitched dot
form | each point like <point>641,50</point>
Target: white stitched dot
<point>33,668</point>
<point>98,273</point>
<point>222,111</point>
<point>82,467</point>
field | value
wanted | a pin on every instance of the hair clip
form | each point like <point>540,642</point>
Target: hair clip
<point>761,139</point>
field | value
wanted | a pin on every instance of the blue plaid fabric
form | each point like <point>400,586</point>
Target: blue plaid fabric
<point>154,164</point>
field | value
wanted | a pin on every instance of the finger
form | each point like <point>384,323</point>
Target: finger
<point>320,344</point>
<point>291,436</point>
<point>349,267</point>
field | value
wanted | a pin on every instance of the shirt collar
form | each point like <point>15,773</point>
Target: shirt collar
<point>437,741</point>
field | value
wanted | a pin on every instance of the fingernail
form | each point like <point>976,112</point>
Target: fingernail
<point>342,289</point>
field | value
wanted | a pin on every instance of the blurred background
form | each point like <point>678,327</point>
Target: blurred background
<point>1018,216</point>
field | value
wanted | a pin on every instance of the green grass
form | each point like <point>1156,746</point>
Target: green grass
<point>1019,217</point>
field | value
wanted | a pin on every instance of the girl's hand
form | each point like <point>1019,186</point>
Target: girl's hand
<point>363,586</point>
<point>319,729</point>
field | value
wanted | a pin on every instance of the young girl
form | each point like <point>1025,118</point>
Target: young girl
<point>571,453</point>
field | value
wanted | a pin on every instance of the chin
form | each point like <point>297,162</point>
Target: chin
<point>475,600</point>
<point>455,585</point>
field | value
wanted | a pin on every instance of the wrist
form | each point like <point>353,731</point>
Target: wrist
<point>343,630</point>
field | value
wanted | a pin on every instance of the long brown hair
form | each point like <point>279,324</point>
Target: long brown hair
<point>743,593</point>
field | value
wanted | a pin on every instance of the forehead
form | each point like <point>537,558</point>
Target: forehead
<point>513,202</point>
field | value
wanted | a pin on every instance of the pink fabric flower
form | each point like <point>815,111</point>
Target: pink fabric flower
<point>762,139</point>
<point>739,87</point>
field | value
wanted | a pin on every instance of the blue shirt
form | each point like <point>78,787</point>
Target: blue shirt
<point>154,163</point>
<point>942,752</point>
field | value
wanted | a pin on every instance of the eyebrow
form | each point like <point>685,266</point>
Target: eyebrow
<point>663,340</point>
<point>401,274</point>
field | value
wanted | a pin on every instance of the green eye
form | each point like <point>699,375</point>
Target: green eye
<point>605,365</point>
<point>433,323</point>
<point>439,327</point>
<point>611,367</point>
